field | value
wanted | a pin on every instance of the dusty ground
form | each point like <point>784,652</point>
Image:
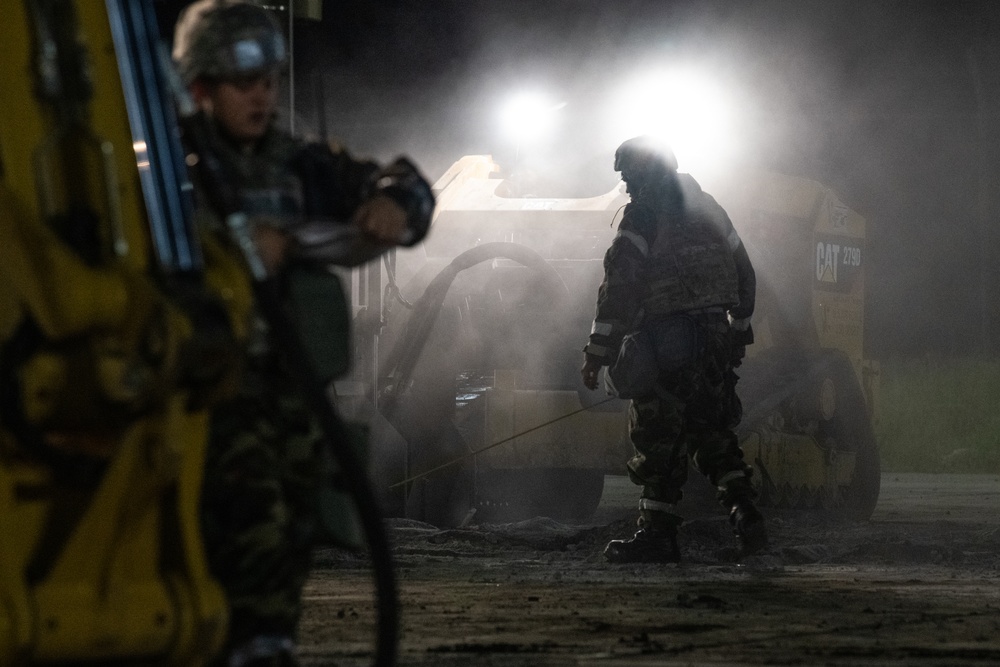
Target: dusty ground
<point>917,585</point>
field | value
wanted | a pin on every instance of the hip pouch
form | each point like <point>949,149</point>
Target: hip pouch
<point>658,347</point>
<point>634,372</point>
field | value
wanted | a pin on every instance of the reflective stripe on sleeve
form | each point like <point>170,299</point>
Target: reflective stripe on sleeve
<point>601,328</point>
<point>636,240</point>
<point>734,240</point>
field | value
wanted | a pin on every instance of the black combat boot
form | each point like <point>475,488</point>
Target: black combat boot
<point>654,542</point>
<point>748,526</point>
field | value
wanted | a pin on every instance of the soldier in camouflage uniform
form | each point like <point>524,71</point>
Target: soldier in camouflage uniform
<point>265,458</point>
<point>678,279</point>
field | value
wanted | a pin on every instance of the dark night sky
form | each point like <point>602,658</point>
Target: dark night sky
<point>875,98</point>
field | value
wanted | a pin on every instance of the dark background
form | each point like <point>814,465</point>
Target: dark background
<point>894,104</point>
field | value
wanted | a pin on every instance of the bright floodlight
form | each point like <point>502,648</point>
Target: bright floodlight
<point>529,117</point>
<point>682,108</point>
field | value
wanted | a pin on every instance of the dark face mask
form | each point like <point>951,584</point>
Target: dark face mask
<point>633,182</point>
<point>665,184</point>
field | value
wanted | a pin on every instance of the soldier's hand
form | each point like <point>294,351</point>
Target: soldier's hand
<point>382,219</point>
<point>591,367</point>
<point>272,245</point>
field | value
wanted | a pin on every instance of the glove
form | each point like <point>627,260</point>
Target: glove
<point>591,367</point>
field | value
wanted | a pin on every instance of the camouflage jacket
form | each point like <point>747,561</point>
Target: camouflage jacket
<point>311,190</point>
<point>647,272</point>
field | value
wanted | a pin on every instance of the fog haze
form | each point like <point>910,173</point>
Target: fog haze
<point>893,104</point>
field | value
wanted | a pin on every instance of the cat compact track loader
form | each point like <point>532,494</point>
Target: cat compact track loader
<point>485,355</point>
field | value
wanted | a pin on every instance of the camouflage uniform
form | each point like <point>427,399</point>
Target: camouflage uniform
<point>677,271</point>
<point>266,458</point>
<point>260,500</point>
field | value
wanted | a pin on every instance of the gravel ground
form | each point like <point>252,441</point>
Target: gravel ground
<point>916,585</point>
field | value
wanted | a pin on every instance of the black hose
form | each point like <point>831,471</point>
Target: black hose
<point>403,357</point>
<point>224,199</point>
<point>354,474</point>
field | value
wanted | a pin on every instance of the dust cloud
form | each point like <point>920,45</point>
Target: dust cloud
<point>887,103</point>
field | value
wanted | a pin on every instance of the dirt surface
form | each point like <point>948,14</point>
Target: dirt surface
<point>917,585</point>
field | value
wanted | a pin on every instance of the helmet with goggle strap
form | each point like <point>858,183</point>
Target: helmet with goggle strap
<point>222,39</point>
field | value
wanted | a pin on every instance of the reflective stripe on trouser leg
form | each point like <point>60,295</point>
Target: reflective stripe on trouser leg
<point>655,505</point>
<point>724,481</point>
<point>735,486</point>
<point>658,515</point>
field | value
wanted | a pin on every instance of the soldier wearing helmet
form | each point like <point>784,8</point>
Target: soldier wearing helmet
<point>673,320</point>
<point>231,54</point>
<point>264,464</point>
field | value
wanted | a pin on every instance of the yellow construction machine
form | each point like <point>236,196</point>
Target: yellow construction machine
<point>121,324</point>
<point>116,325</point>
<point>486,322</point>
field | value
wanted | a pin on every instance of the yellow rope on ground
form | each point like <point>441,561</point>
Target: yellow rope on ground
<point>495,444</point>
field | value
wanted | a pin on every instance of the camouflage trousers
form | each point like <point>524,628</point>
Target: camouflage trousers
<point>260,515</point>
<point>689,421</point>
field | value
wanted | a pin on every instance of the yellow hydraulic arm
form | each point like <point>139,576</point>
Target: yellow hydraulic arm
<point>117,323</point>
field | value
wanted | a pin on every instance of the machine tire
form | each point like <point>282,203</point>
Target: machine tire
<point>851,428</point>
<point>442,498</point>
<point>775,378</point>
<point>424,416</point>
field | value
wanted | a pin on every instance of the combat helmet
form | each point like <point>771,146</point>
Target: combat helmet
<point>640,158</point>
<point>223,39</point>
